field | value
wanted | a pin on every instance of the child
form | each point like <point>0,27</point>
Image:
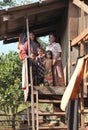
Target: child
<point>48,76</point>
<point>33,62</point>
<point>41,68</point>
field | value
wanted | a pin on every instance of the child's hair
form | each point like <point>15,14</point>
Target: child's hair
<point>33,53</point>
<point>40,48</point>
<point>49,53</point>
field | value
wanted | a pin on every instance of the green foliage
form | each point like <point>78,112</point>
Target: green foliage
<point>13,3</point>
<point>10,82</point>
<point>8,4</point>
<point>42,43</point>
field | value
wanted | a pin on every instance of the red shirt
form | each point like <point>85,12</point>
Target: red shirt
<point>33,48</point>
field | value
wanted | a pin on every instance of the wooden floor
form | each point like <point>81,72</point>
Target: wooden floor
<point>47,92</point>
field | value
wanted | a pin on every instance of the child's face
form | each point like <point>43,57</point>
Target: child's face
<point>48,56</point>
<point>40,52</point>
<point>32,56</point>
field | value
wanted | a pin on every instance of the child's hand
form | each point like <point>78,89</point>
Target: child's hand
<point>54,61</point>
<point>27,57</point>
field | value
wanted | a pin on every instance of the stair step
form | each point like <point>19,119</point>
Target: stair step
<point>86,83</point>
<point>49,101</point>
<point>51,113</point>
<point>85,111</point>
<point>53,127</point>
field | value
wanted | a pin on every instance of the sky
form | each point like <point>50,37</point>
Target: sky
<point>5,48</point>
<point>23,0</point>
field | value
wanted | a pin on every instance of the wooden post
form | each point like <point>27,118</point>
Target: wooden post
<point>31,79</point>
<point>82,89</point>
<point>37,112</point>
<point>72,33</point>
<point>28,115</point>
<point>27,24</point>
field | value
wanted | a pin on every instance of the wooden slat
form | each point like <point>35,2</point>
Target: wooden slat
<point>86,57</point>
<point>85,111</point>
<point>51,113</point>
<point>53,127</point>
<point>82,128</point>
<point>80,37</point>
<point>23,128</point>
<point>47,90</point>
<point>81,5</point>
<point>86,84</point>
<point>50,101</point>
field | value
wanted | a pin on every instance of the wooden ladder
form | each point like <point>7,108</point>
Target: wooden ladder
<point>45,125</point>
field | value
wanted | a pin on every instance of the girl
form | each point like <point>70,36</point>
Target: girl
<point>34,68</point>
<point>48,76</point>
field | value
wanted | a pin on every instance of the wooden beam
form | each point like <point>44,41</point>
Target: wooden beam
<point>45,29</point>
<point>86,57</point>
<point>29,10</point>
<point>12,36</point>
<point>82,36</point>
<point>10,40</point>
<point>81,5</point>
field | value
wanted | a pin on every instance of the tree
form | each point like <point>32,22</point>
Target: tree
<point>8,4</point>
<point>6,1</point>
<point>42,43</point>
<point>13,3</point>
<point>10,82</point>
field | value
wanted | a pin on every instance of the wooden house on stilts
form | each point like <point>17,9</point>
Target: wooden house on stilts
<point>69,20</point>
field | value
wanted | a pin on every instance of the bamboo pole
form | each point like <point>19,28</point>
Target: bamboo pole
<point>31,79</point>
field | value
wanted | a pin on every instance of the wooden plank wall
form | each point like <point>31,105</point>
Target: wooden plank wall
<point>72,33</point>
<point>63,31</point>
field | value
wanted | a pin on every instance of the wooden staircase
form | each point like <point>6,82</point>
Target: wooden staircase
<point>48,97</point>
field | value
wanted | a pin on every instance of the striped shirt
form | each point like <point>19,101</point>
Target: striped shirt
<point>41,68</point>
